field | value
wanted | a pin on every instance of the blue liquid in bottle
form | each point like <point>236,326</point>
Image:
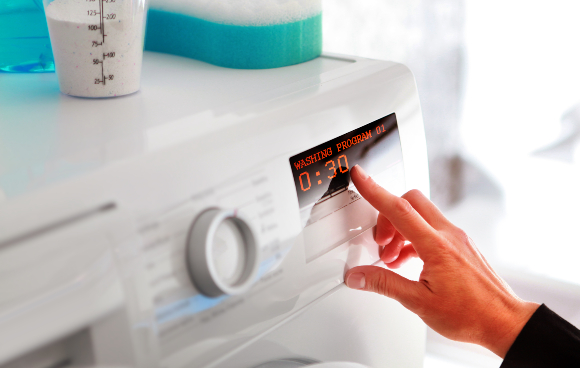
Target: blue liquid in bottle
<point>24,41</point>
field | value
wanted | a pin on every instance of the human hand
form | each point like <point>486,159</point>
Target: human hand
<point>458,294</point>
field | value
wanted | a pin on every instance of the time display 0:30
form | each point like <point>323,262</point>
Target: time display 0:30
<point>314,169</point>
<point>304,178</point>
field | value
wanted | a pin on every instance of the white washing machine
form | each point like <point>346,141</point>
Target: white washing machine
<point>205,221</point>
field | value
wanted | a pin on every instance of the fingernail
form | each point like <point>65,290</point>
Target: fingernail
<point>359,170</point>
<point>356,280</point>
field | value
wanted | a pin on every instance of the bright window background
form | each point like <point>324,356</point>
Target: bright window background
<point>523,76</point>
<point>518,75</point>
<point>499,83</point>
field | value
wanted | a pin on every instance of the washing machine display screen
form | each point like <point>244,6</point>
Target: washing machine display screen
<point>331,212</point>
<point>323,170</point>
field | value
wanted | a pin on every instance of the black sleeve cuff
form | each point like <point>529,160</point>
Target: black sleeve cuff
<point>547,340</point>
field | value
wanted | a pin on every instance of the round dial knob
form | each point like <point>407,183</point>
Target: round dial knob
<point>222,253</point>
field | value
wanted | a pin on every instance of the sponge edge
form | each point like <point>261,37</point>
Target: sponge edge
<point>234,46</point>
<point>243,12</point>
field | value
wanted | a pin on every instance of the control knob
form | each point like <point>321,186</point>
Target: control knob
<point>222,253</point>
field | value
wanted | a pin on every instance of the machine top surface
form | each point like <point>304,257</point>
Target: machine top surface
<point>47,137</point>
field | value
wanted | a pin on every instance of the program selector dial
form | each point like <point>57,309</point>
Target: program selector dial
<point>222,253</point>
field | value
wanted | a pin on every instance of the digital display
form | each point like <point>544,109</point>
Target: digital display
<point>323,171</point>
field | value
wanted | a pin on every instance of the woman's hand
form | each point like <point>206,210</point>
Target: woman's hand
<point>458,294</point>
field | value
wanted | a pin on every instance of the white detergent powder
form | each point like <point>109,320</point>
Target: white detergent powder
<point>243,12</point>
<point>92,63</point>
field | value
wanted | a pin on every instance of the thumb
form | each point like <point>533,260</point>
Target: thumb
<point>385,282</point>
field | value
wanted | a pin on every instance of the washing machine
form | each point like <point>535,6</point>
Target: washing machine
<point>205,221</point>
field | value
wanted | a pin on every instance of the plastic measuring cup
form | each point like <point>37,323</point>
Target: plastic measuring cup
<point>97,45</point>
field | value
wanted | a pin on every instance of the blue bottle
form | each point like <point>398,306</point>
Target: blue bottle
<point>24,41</point>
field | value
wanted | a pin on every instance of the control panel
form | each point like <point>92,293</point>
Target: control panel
<point>252,249</point>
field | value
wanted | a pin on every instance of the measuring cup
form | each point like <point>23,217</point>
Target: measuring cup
<point>97,45</point>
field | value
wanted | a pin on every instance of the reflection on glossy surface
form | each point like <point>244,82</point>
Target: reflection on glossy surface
<point>287,363</point>
<point>566,147</point>
<point>229,253</point>
<point>47,137</point>
<point>429,37</point>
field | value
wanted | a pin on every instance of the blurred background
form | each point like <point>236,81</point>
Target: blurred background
<point>499,83</point>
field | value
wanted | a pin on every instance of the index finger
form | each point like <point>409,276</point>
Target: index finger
<point>397,210</point>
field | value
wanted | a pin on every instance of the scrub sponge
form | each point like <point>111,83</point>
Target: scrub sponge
<point>244,34</point>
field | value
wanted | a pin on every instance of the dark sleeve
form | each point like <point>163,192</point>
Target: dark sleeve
<point>547,340</point>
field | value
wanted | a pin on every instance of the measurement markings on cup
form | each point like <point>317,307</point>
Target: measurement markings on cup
<point>95,43</point>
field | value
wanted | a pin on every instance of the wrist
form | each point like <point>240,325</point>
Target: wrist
<point>508,325</point>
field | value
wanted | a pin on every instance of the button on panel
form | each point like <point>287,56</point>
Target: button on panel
<point>185,312</point>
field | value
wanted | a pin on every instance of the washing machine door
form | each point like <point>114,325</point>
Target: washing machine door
<point>338,365</point>
<point>288,363</point>
<point>297,363</point>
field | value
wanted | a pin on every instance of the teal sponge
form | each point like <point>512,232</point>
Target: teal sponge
<point>252,45</point>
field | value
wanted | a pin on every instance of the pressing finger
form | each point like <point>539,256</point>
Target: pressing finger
<point>397,210</point>
<point>426,209</point>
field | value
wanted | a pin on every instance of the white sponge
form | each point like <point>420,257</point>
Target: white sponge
<point>243,12</point>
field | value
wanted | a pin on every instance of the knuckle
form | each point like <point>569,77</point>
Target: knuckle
<point>441,244</point>
<point>445,246</point>
<point>402,207</point>
<point>462,236</point>
<point>380,284</point>
<point>413,194</point>
<point>389,232</point>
